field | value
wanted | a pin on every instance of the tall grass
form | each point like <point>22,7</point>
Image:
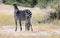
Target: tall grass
<point>6,19</point>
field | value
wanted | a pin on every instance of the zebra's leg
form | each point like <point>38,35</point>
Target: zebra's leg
<point>20,24</point>
<point>31,27</point>
<point>16,25</point>
<point>27,26</point>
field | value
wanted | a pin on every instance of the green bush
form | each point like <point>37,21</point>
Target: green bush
<point>31,3</point>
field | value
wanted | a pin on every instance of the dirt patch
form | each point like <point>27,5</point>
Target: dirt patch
<point>40,31</point>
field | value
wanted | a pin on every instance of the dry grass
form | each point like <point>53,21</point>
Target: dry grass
<point>6,19</point>
<point>44,27</point>
<point>20,36</point>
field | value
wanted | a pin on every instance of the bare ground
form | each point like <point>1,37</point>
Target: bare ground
<point>46,31</point>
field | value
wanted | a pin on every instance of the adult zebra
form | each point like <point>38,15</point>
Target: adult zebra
<point>22,15</point>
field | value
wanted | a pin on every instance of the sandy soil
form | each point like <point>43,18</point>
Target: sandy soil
<point>8,31</point>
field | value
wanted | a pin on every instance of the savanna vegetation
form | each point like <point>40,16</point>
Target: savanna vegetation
<point>55,4</point>
<point>38,19</point>
<point>31,3</point>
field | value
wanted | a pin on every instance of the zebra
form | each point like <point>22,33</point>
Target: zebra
<point>22,15</point>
